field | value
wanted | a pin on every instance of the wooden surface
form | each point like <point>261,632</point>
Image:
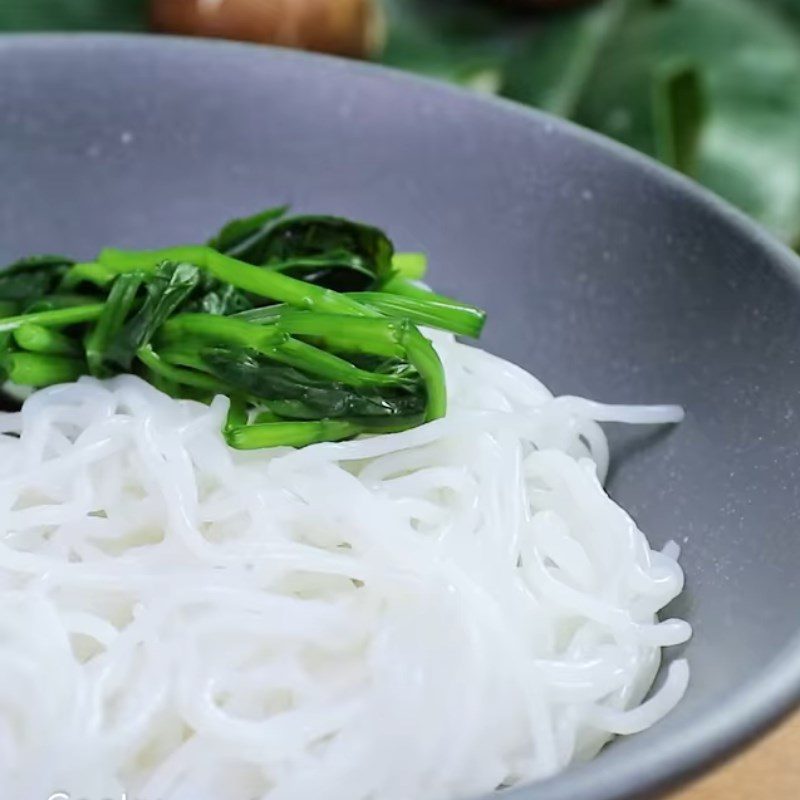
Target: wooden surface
<point>770,769</point>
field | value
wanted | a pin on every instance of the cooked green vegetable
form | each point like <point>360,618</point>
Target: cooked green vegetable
<point>335,252</point>
<point>30,278</point>
<point>38,339</point>
<point>35,369</point>
<point>308,323</point>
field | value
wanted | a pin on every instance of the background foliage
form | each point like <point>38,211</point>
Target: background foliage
<point>710,87</point>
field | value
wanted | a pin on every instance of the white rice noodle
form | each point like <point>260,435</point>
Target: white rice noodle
<point>429,614</point>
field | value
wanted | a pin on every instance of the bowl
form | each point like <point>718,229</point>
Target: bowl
<point>603,273</point>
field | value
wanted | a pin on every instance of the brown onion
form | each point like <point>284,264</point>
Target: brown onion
<point>344,27</point>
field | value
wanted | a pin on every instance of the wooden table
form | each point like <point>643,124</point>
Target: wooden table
<point>770,769</point>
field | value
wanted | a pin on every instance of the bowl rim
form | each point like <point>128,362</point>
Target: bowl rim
<point>758,703</point>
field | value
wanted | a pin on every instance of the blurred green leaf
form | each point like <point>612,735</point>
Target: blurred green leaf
<point>748,59</point>
<point>789,8</point>
<point>465,41</point>
<point>64,15</point>
<point>555,67</point>
<point>680,105</point>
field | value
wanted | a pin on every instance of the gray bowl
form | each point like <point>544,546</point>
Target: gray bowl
<point>603,273</point>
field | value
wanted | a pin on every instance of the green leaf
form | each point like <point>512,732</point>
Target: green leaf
<point>240,236</point>
<point>54,15</point>
<point>178,376</point>
<point>554,68</point>
<point>220,298</point>
<point>466,41</point>
<point>315,398</point>
<point>332,252</point>
<point>329,251</point>
<point>29,279</point>
<point>118,306</point>
<point>680,106</point>
<point>748,60</point>
<point>166,291</point>
<point>790,9</point>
